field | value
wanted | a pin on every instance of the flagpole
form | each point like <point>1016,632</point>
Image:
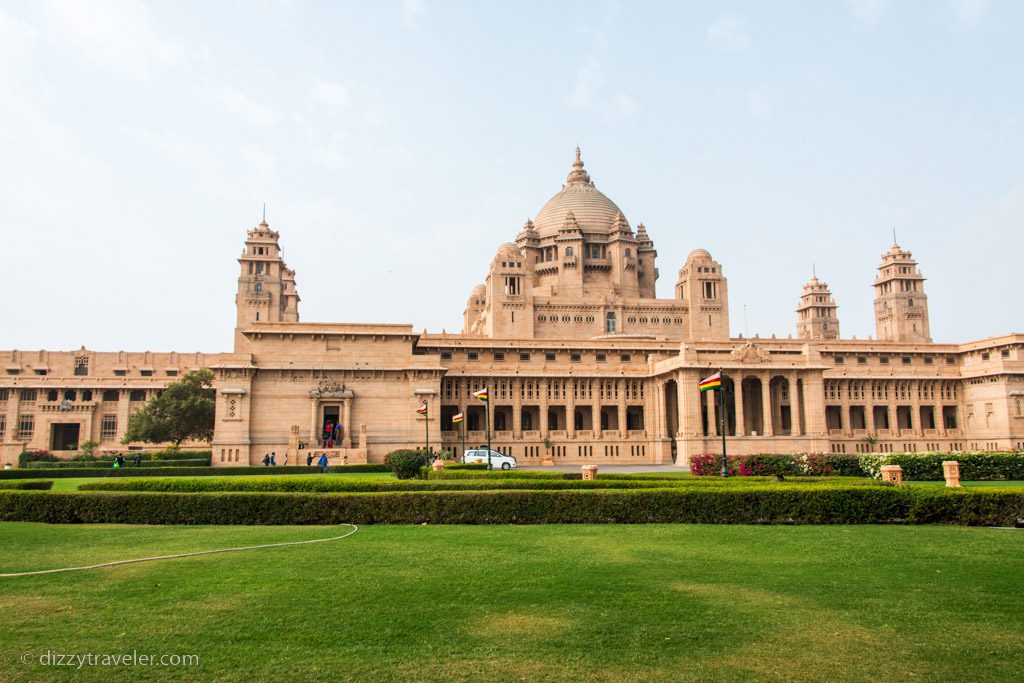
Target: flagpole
<point>426,431</point>
<point>463,425</point>
<point>487,422</point>
<point>721,402</point>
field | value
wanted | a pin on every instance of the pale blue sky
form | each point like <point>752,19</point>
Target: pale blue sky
<point>398,144</point>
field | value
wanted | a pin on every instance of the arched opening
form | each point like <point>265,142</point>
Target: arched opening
<point>782,416</point>
<point>753,407</point>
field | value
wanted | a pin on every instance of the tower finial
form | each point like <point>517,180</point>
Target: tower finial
<point>894,237</point>
<point>814,271</point>
<point>264,221</point>
<point>578,174</point>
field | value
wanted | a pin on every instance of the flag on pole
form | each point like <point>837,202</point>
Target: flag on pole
<point>712,382</point>
<point>422,409</point>
<point>482,394</point>
<point>457,418</point>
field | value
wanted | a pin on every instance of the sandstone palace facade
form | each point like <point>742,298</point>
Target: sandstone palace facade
<point>583,362</point>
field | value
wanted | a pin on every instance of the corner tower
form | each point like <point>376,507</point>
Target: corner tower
<point>816,316</point>
<point>901,307</point>
<point>266,286</point>
<point>703,286</point>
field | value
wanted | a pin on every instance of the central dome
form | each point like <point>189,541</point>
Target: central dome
<point>594,212</point>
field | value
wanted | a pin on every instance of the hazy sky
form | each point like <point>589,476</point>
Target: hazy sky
<point>398,144</point>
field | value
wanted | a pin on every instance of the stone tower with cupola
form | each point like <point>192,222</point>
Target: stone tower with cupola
<point>901,306</point>
<point>705,290</point>
<point>266,286</point>
<point>816,316</point>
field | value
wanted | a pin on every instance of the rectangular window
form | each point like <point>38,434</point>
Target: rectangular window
<point>840,360</point>
<point>13,371</point>
<point>861,360</point>
<point>575,357</point>
<point>108,428</point>
<point>40,371</point>
<point>499,355</point>
<point>524,356</point>
<point>3,426</point>
<point>3,394</point>
<point>884,360</point>
<point>549,356</point>
<point>120,373</point>
<point>172,373</point>
<point>137,395</point>
<point>625,358</point>
<point>984,356</point>
<point>81,366</point>
<point>928,360</point>
<point>110,395</point>
<point>446,355</point>
<point>950,360</point>
<point>906,360</point>
<point>472,355</point>
<point>26,426</point>
<point>601,358</point>
<point>146,373</point>
<point>28,395</point>
<point>1005,353</point>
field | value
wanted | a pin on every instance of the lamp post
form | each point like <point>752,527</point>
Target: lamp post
<point>721,403</point>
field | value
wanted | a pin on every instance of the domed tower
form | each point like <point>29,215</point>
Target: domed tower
<point>266,286</point>
<point>816,316</point>
<point>901,306</point>
<point>508,298</point>
<point>472,322</point>
<point>703,286</point>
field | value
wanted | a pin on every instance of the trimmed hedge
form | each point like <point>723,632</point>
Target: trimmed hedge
<point>465,466</point>
<point>338,484</point>
<point>155,472</point>
<point>798,504</point>
<point>974,466</point>
<point>27,485</point>
<point>100,464</point>
<point>25,457</point>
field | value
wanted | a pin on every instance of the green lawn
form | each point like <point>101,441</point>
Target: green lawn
<point>613,603</point>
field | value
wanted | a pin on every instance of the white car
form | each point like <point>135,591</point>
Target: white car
<point>498,460</point>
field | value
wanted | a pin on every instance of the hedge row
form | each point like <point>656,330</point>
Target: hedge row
<point>765,505</point>
<point>27,485</point>
<point>154,472</point>
<point>100,464</point>
<point>26,457</point>
<point>341,484</point>
<point>974,466</point>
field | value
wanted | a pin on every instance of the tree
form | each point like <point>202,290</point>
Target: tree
<point>184,410</point>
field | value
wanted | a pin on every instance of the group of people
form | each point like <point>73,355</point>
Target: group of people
<point>331,433</point>
<point>120,462</point>
<point>270,459</point>
<point>321,462</point>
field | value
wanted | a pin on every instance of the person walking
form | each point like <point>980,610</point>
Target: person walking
<point>309,459</point>
<point>322,462</point>
<point>273,459</point>
<point>266,459</point>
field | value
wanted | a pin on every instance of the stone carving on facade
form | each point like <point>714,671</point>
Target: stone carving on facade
<point>751,353</point>
<point>329,388</point>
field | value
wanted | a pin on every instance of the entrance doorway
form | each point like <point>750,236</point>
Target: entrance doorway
<point>330,427</point>
<point>64,436</point>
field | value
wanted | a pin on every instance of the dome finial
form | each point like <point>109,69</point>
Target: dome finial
<point>578,175</point>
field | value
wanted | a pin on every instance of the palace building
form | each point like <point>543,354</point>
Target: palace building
<point>582,360</point>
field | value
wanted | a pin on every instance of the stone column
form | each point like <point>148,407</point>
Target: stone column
<point>711,400</point>
<point>623,427</point>
<point>570,408</point>
<point>314,431</point>
<point>814,386</point>
<point>915,410</point>
<point>544,427</point>
<point>681,420</point>
<point>123,412</point>
<point>741,429</point>
<point>595,412</point>
<point>346,438</point>
<point>766,405</point>
<point>517,408</point>
<point>844,402</point>
<point>795,405</point>
<point>13,406</point>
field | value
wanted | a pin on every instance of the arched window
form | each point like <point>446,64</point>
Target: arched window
<point>568,251</point>
<point>609,322</point>
<point>259,287</point>
<point>629,252</point>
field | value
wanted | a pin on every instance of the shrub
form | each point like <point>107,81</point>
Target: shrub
<point>762,504</point>
<point>27,485</point>
<point>974,466</point>
<point>25,457</point>
<point>406,464</point>
<point>465,466</point>
<point>100,464</point>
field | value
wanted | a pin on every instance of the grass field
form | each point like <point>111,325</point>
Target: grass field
<point>610,603</point>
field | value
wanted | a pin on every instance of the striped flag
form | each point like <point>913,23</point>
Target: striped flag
<point>482,394</point>
<point>422,409</point>
<point>457,418</point>
<point>712,382</point>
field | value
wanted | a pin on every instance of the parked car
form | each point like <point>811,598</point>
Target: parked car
<point>479,455</point>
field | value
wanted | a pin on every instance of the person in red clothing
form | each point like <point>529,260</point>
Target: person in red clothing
<point>329,431</point>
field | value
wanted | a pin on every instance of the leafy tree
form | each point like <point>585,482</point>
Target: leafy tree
<point>184,410</point>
